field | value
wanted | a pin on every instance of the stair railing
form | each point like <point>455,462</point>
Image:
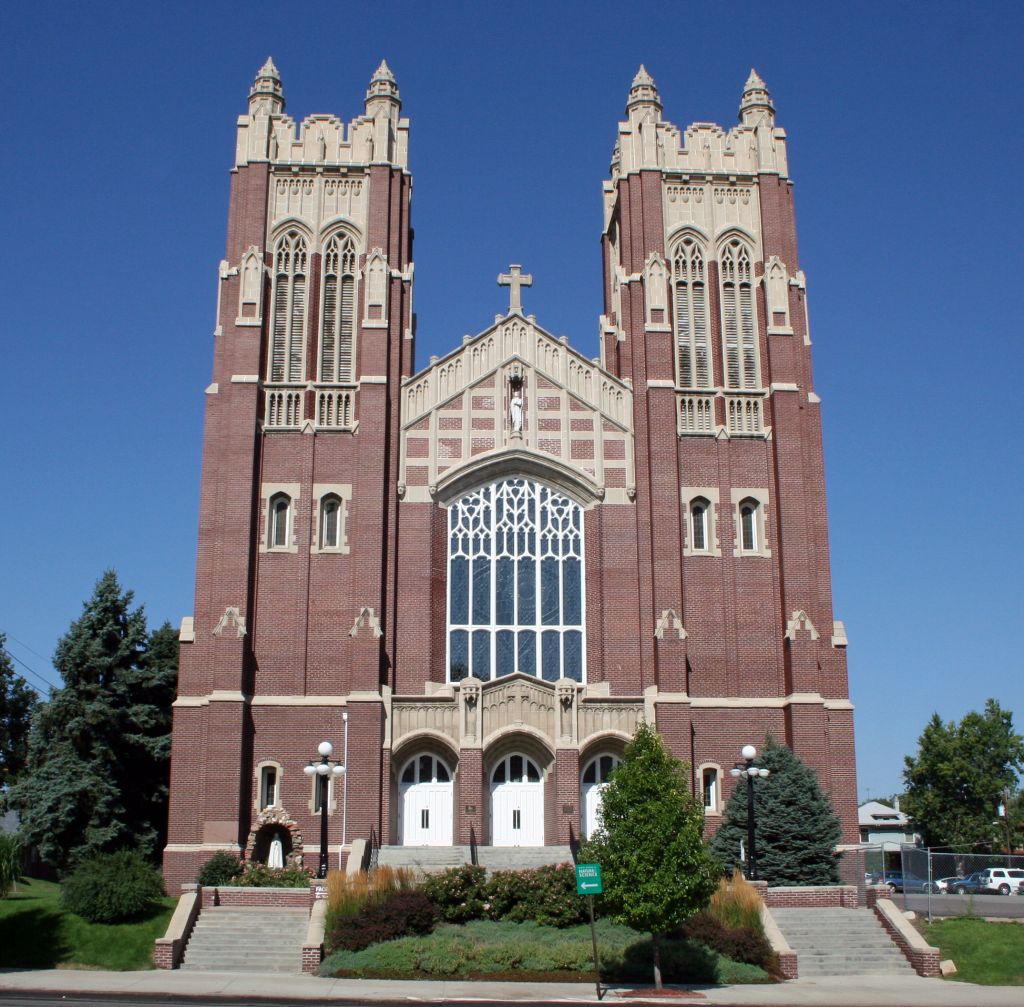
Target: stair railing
<point>474,857</point>
<point>374,851</point>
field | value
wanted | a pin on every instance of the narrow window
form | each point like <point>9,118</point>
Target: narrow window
<point>268,787</point>
<point>699,525</point>
<point>693,357</point>
<point>330,522</point>
<point>337,330</point>
<point>280,513</point>
<point>709,783</point>
<point>317,791</point>
<point>738,323</point>
<point>288,339</point>
<point>748,526</point>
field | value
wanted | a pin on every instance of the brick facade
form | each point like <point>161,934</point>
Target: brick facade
<point>293,642</point>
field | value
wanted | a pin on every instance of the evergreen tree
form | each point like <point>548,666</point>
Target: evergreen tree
<point>656,869</point>
<point>98,750</point>
<point>796,826</point>
<point>17,700</point>
<point>960,776</point>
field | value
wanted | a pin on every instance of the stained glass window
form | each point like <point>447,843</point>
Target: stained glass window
<point>515,583</point>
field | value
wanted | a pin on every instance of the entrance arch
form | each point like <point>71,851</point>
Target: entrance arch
<point>425,802</point>
<point>517,802</point>
<point>592,784</point>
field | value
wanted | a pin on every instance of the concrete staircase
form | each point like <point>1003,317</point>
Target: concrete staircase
<point>434,859</point>
<point>840,942</point>
<point>233,939</point>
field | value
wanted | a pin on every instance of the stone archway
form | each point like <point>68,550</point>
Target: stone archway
<point>271,821</point>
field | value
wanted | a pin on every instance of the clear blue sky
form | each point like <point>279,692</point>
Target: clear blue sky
<point>905,143</point>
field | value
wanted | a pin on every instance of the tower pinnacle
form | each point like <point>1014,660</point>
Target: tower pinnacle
<point>643,94</point>
<point>267,95</point>
<point>383,91</point>
<point>756,104</point>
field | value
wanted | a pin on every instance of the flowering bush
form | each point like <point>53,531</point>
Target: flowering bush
<point>256,875</point>
<point>458,893</point>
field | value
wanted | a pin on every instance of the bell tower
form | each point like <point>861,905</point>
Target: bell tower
<point>705,315</point>
<point>289,639</point>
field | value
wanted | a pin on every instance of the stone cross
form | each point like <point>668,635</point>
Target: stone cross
<point>515,278</point>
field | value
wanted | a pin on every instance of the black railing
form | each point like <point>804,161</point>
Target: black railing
<point>474,858</point>
<point>374,845</point>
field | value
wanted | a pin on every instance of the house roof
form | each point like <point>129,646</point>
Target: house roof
<point>877,814</point>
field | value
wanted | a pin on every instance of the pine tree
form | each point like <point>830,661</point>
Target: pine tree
<point>17,700</point>
<point>796,826</point>
<point>656,869</point>
<point>98,750</point>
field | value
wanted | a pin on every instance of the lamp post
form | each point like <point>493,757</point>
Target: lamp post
<point>323,769</point>
<point>748,769</point>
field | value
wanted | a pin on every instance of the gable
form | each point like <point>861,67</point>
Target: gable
<point>458,418</point>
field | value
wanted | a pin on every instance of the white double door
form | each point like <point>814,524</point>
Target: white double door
<point>517,803</point>
<point>593,781</point>
<point>425,803</point>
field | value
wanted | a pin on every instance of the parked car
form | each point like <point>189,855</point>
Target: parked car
<point>1003,880</point>
<point>971,885</point>
<point>902,881</point>
<point>945,884</point>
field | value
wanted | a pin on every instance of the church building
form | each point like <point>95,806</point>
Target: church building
<point>476,578</point>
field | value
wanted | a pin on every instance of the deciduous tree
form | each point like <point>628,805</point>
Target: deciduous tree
<point>796,826</point>
<point>656,868</point>
<point>960,775</point>
<point>98,750</point>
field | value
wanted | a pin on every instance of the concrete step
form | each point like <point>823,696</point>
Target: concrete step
<point>840,942</point>
<point>232,939</point>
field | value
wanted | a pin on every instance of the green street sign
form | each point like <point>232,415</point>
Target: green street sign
<point>588,879</point>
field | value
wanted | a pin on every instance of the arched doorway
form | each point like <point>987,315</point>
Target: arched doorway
<point>517,802</point>
<point>425,802</point>
<point>592,784</point>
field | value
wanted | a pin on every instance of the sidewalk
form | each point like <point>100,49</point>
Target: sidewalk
<point>845,991</point>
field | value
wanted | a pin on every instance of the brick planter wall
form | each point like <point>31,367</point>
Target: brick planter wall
<point>809,897</point>
<point>294,898</point>
<point>924,959</point>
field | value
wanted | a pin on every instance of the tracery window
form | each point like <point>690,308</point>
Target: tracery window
<point>693,353</point>
<point>738,323</point>
<point>288,340</point>
<point>515,583</point>
<point>337,332</point>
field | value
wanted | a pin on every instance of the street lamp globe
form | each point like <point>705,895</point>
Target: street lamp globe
<point>309,770</point>
<point>325,748</point>
<point>748,752</point>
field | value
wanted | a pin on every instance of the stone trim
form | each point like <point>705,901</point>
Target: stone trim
<point>786,955</point>
<point>169,949</point>
<point>923,958</point>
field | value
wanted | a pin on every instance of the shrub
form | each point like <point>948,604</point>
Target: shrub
<point>220,869</point>
<point>459,893</point>
<point>256,875</point>
<point>546,895</point>
<point>348,897</point>
<point>741,944</point>
<point>396,914</point>
<point>110,887</point>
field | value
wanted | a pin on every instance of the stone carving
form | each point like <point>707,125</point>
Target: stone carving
<point>367,619</point>
<point>799,621</point>
<point>515,279</point>
<point>671,622</point>
<point>231,617</point>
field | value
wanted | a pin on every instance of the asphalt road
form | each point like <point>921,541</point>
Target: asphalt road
<point>1003,906</point>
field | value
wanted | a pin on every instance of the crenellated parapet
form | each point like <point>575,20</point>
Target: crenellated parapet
<point>323,142</point>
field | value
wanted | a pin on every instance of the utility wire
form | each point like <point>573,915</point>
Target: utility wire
<point>21,643</point>
<point>31,685</point>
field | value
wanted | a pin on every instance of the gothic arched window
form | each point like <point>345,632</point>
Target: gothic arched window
<point>693,353</point>
<point>515,583</point>
<point>739,330</point>
<point>699,525</point>
<point>748,526</point>
<point>279,523</point>
<point>288,338</point>
<point>337,330</point>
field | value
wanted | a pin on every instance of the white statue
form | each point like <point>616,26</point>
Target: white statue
<point>276,857</point>
<point>516,411</point>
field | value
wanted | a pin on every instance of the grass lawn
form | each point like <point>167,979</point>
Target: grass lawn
<point>37,932</point>
<point>528,951</point>
<point>984,952</point>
